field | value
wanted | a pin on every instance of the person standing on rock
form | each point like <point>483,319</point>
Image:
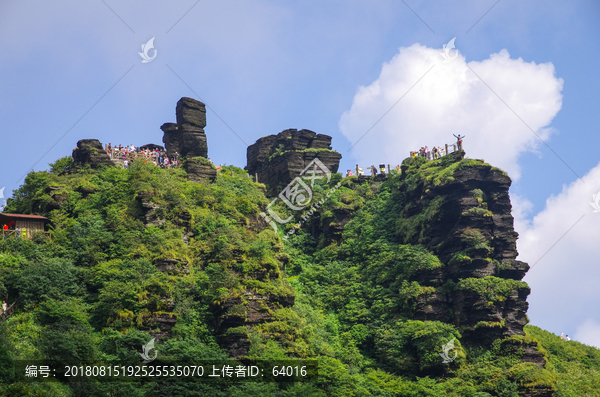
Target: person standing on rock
<point>4,308</point>
<point>359,171</point>
<point>459,141</point>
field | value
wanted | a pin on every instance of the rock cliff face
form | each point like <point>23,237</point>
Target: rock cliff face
<point>460,210</point>
<point>278,159</point>
<point>235,317</point>
<point>466,221</point>
<point>187,136</point>
<point>199,169</point>
<point>90,151</point>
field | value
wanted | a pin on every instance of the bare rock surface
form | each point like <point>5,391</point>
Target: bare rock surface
<point>278,159</point>
<point>187,136</point>
<point>199,169</point>
<point>90,151</point>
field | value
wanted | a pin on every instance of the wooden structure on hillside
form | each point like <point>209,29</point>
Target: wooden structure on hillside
<point>26,225</point>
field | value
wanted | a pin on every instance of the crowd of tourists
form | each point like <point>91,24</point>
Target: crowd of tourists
<point>433,154</point>
<point>374,170</point>
<point>17,231</point>
<point>436,152</point>
<point>131,154</point>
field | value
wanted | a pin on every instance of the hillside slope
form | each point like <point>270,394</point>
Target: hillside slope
<point>372,284</point>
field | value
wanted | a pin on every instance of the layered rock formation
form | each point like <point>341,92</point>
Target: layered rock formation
<point>153,213</point>
<point>235,317</point>
<point>90,151</point>
<point>160,323</point>
<point>466,221</point>
<point>278,159</point>
<point>200,169</point>
<point>187,136</point>
<point>460,211</point>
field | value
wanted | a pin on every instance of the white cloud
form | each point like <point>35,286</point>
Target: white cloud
<point>588,333</point>
<point>521,208</point>
<point>451,99</point>
<point>563,240</point>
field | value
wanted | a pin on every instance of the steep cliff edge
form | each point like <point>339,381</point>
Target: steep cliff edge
<point>430,247</point>
<point>460,210</point>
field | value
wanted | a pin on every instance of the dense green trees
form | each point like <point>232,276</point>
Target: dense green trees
<point>94,291</point>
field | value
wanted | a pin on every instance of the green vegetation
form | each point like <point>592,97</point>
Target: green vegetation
<point>493,289</point>
<point>279,151</point>
<point>575,365</point>
<point>344,286</point>
<point>201,160</point>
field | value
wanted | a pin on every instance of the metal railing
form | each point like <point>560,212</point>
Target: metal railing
<point>448,149</point>
<point>10,311</point>
<point>28,234</point>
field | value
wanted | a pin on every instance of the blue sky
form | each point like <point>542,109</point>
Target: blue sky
<point>265,66</point>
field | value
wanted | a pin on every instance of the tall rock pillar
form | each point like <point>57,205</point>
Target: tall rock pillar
<point>187,138</point>
<point>187,135</point>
